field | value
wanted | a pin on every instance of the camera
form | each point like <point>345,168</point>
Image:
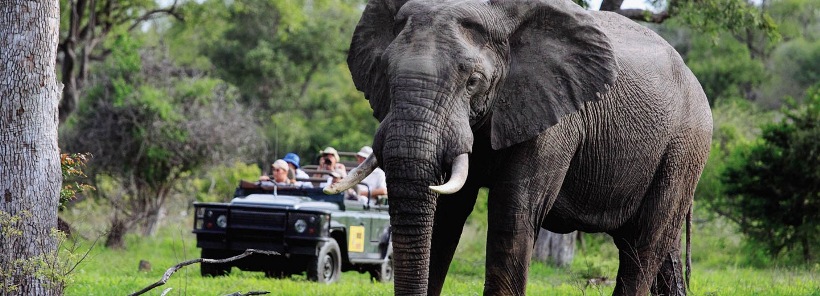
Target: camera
<point>326,160</point>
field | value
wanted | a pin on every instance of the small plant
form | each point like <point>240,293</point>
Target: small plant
<point>52,268</point>
<point>72,167</point>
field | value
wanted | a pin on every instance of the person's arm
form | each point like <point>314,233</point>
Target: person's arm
<point>374,191</point>
<point>377,191</point>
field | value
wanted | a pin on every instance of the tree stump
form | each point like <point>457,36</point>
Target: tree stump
<point>553,248</point>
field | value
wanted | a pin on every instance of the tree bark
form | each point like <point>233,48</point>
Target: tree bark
<point>553,248</point>
<point>116,234</point>
<point>30,175</point>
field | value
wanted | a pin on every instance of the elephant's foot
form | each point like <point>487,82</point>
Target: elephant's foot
<point>669,280</point>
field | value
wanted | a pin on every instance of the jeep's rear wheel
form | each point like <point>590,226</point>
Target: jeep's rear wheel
<point>327,266</point>
<point>383,272</point>
<point>214,269</point>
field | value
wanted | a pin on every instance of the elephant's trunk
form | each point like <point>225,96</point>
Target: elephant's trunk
<point>410,165</point>
<point>414,155</point>
<point>411,218</point>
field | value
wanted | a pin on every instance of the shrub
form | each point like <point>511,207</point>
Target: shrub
<point>772,184</point>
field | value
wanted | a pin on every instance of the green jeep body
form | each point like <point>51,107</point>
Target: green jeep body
<point>316,233</point>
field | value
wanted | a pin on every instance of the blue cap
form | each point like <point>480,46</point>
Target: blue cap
<point>292,158</point>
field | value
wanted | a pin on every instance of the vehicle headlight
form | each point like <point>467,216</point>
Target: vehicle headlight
<point>300,226</point>
<point>222,221</point>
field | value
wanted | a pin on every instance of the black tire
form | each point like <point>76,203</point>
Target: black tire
<point>383,273</point>
<point>214,269</point>
<point>327,266</point>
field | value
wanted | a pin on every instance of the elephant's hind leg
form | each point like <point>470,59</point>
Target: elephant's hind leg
<point>669,280</point>
<point>650,258</point>
<point>649,246</point>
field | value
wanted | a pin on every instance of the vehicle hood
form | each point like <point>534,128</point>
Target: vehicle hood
<point>284,201</point>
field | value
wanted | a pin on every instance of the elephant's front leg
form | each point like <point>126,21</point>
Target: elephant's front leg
<point>516,211</point>
<point>522,193</point>
<point>515,216</point>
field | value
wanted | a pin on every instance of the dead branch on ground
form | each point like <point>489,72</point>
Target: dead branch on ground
<point>180,265</point>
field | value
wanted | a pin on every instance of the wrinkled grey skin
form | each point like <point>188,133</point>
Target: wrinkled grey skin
<point>574,120</point>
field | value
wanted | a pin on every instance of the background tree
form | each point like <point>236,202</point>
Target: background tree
<point>288,60</point>
<point>85,26</point>
<point>773,185</point>
<point>149,124</point>
<point>30,171</point>
<point>555,248</point>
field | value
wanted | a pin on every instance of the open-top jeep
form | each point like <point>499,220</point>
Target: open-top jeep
<point>316,233</point>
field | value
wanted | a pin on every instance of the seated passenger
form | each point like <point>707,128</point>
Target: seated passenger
<point>329,161</point>
<point>293,163</point>
<point>376,181</point>
<point>279,175</point>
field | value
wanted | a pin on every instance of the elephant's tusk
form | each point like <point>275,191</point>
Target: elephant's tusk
<point>458,177</point>
<point>355,176</point>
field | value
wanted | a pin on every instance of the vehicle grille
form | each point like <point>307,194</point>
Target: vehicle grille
<point>257,220</point>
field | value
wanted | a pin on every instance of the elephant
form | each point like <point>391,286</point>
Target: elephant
<point>572,119</point>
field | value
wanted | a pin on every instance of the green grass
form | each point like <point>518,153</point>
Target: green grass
<point>721,267</point>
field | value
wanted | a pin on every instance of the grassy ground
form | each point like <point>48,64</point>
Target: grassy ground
<point>719,268</point>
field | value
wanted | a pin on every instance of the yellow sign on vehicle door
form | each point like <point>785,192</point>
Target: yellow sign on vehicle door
<point>356,241</point>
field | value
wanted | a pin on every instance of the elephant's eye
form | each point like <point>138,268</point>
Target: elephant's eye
<point>474,81</point>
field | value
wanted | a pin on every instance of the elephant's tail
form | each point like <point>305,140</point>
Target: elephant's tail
<point>688,245</point>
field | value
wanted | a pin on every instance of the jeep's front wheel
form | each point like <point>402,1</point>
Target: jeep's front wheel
<point>327,266</point>
<point>214,269</point>
<point>384,272</point>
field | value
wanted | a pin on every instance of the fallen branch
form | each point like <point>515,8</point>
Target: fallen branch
<point>174,268</point>
<point>249,293</point>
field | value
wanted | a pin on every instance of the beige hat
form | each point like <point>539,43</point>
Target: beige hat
<point>331,150</point>
<point>365,151</point>
<point>280,164</point>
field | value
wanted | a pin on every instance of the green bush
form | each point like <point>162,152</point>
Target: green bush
<point>218,183</point>
<point>773,184</point>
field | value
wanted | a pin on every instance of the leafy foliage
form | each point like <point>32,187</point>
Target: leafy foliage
<point>794,68</point>
<point>287,58</point>
<point>725,68</point>
<point>734,16</point>
<point>736,124</point>
<point>218,183</point>
<point>72,167</point>
<point>773,185</point>
<point>52,267</point>
<point>149,123</point>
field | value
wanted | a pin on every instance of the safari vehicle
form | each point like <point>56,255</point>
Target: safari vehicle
<point>322,235</point>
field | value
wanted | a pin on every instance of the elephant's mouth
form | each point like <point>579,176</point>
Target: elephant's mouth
<point>458,176</point>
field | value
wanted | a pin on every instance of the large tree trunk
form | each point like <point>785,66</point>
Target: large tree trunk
<point>554,248</point>
<point>30,175</point>
<point>116,234</point>
<point>153,218</point>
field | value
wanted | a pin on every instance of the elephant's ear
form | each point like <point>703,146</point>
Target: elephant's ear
<point>559,59</point>
<point>372,36</point>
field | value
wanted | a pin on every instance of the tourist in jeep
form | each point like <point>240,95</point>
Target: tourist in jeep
<point>279,175</point>
<point>329,161</point>
<point>376,181</point>
<point>293,163</point>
